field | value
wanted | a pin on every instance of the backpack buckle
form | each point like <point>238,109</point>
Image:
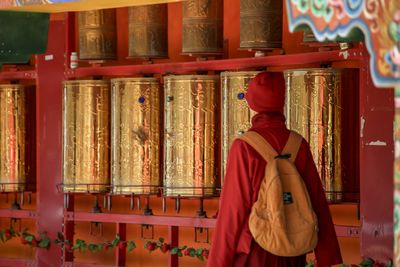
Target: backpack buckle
<point>283,156</point>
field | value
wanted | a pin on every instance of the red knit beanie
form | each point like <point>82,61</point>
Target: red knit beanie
<point>266,92</point>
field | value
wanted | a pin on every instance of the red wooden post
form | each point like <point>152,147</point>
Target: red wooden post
<point>173,234</point>
<point>50,73</point>
<point>120,255</point>
<point>376,168</point>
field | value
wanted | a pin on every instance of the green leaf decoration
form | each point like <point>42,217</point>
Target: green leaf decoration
<point>29,238</point>
<point>310,264</point>
<point>131,245</point>
<point>115,242</point>
<point>161,239</point>
<point>192,253</point>
<point>44,243</point>
<point>367,262</point>
<point>12,231</point>
<point>200,257</point>
<point>92,247</point>
<point>174,251</point>
<point>179,253</point>
<point>390,263</point>
<point>199,251</point>
<point>2,236</point>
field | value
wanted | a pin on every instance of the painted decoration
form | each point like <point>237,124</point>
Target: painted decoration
<point>378,20</point>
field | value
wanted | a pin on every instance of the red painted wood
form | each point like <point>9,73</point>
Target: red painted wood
<point>173,234</point>
<point>16,262</point>
<point>79,264</point>
<point>18,75</point>
<point>141,219</point>
<point>120,254</point>
<point>18,214</point>
<point>376,168</point>
<point>48,122</point>
<point>223,64</point>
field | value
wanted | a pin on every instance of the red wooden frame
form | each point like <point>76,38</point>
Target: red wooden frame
<point>376,227</point>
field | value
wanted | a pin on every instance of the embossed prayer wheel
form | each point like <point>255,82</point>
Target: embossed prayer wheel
<point>86,136</point>
<point>148,33</point>
<point>190,166</point>
<point>236,114</point>
<point>260,24</point>
<point>13,138</point>
<point>313,109</point>
<point>135,136</point>
<point>97,34</point>
<point>202,26</point>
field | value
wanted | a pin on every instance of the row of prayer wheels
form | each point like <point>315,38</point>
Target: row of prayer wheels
<point>202,29</point>
<point>135,136</point>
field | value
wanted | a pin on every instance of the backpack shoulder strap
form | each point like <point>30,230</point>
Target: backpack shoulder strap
<point>293,145</point>
<point>259,144</point>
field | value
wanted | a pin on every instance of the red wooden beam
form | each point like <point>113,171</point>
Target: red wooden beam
<point>141,219</point>
<point>220,64</point>
<point>173,233</point>
<point>18,214</point>
<point>16,262</point>
<point>78,264</point>
<point>18,75</point>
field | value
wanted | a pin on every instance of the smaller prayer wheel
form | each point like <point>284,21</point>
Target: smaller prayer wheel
<point>86,136</point>
<point>97,34</point>
<point>260,24</point>
<point>135,135</point>
<point>202,26</point>
<point>148,33</point>
<point>190,141</point>
<point>313,109</point>
<point>236,114</point>
<point>13,138</point>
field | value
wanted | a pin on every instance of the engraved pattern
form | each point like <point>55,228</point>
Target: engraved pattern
<point>236,115</point>
<point>202,26</point>
<point>260,24</point>
<point>13,168</point>
<point>190,138</point>
<point>86,136</point>
<point>97,34</point>
<point>135,157</point>
<point>313,109</point>
<point>148,34</point>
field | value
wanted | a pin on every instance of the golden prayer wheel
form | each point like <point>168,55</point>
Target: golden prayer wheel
<point>13,138</point>
<point>260,24</point>
<point>202,26</point>
<point>190,139</point>
<point>148,33</point>
<point>136,144</point>
<point>86,136</point>
<point>313,109</point>
<point>97,34</point>
<point>236,114</point>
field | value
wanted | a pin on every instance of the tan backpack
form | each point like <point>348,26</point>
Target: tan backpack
<point>282,220</point>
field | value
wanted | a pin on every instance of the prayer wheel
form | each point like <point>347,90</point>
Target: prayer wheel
<point>86,136</point>
<point>97,34</point>
<point>236,115</point>
<point>190,167</point>
<point>260,24</point>
<point>313,109</point>
<point>202,26</point>
<point>148,33</point>
<point>13,138</point>
<point>135,136</point>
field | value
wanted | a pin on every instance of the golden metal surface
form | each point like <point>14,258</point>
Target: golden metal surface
<point>190,138</point>
<point>313,109</point>
<point>135,136</point>
<point>202,26</point>
<point>260,24</point>
<point>86,136</point>
<point>97,34</point>
<point>236,114</point>
<point>148,33</point>
<point>13,165</point>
